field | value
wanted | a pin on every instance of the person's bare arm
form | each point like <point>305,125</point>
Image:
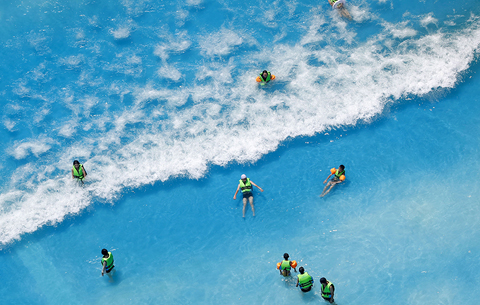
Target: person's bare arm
<point>256,186</point>
<point>235,196</point>
<point>104,267</point>
<point>327,178</point>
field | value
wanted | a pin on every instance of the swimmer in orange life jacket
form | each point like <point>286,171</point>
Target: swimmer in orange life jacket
<point>265,77</point>
<point>339,177</point>
<point>286,265</point>
<point>340,5</point>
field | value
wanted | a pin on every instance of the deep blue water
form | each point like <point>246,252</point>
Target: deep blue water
<point>158,101</point>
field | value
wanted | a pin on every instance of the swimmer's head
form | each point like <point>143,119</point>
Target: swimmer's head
<point>104,251</point>
<point>285,255</point>
<point>323,280</point>
<point>76,162</point>
<point>243,177</point>
<point>341,168</point>
<point>301,270</point>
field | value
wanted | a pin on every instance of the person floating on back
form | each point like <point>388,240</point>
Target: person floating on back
<point>286,265</point>
<point>246,186</point>
<point>107,261</point>
<point>340,6</point>
<point>265,77</point>
<point>304,280</point>
<point>78,172</point>
<point>338,177</point>
<point>327,290</point>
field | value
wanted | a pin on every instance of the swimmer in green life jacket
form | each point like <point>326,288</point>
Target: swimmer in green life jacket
<point>246,186</point>
<point>340,5</point>
<point>107,261</point>
<point>304,280</point>
<point>265,77</point>
<point>78,172</point>
<point>338,177</point>
<point>286,265</point>
<point>327,290</point>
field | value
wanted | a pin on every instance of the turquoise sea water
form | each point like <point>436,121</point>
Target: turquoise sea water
<point>159,101</point>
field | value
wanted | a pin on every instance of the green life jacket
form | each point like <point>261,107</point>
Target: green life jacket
<point>285,265</point>
<point>109,261</point>
<point>305,280</point>
<point>326,292</point>
<point>245,187</point>
<point>339,5</point>
<point>78,174</point>
<point>268,77</point>
<point>337,174</point>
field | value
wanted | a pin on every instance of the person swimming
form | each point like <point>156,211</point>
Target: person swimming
<point>286,265</point>
<point>305,280</point>
<point>78,171</point>
<point>246,185</point>
<point>340,5</point>
<point>107,261</point>
<point>265,77</point>
<point>338,177</point>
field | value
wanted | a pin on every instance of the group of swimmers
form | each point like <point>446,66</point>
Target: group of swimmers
<point>246,186</point>
<point>305,280</point>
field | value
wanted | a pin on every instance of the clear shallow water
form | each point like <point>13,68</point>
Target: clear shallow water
<point>158,105</point>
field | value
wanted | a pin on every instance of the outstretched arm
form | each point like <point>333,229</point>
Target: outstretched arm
<point>327,178</point>
<point>332,291</point>
<point>235,196</point>
<point>256,185</point>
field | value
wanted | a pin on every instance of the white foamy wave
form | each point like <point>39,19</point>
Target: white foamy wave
<point>170,72</point>
<point>220,43</point>
<point>121,33</point>
<point>9,124</point>
<point>400,30</point>
<point>72,62</point>
<point>68,130</point>
<point>35,147</point>
<point>176,44</point>
<point>428,19</point>
<point>193,2</point>
<point>176,131</point>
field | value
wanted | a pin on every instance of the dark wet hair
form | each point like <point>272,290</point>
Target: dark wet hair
<point>323,280</point>
<point>285,256</point>
<point>76,162</point>
<point>341,167</point>
<point>301,270</point>
<point>265,71</point>
<point>104,251</point>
